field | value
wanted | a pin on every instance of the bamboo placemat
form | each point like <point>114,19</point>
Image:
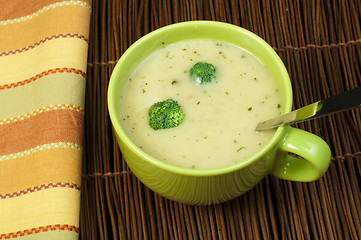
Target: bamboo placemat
<point>320,44</point>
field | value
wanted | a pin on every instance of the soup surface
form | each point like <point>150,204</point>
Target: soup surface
<point>220,118</point>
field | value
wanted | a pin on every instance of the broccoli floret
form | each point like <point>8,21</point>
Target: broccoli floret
<point>165,114</point>
<point>203,73</point>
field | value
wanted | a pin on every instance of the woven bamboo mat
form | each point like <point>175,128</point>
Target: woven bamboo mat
<point>320,44</point>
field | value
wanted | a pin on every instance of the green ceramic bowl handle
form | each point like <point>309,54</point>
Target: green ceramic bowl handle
<point>313,159</point>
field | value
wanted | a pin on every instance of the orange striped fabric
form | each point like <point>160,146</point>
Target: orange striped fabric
<point>43,53</point>
<point>41,229</point>
<point>42,74</point>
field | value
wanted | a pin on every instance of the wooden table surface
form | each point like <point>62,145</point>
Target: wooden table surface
<point>320,44</point>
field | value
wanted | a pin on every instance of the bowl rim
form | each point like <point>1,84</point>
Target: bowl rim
<point>119,131</point>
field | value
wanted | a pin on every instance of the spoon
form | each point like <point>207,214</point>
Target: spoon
<point>344,101</point>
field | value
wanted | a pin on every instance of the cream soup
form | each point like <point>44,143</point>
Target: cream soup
<point>220,118</point>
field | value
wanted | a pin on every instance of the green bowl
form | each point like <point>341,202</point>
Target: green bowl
<point>194,186</point>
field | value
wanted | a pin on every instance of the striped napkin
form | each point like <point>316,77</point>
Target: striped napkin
<point>43,60</point>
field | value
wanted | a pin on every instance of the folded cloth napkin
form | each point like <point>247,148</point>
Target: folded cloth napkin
<point>43,60</point>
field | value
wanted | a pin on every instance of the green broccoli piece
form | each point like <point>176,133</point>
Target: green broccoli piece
<point>165,114</point>
<point>203,73</point>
